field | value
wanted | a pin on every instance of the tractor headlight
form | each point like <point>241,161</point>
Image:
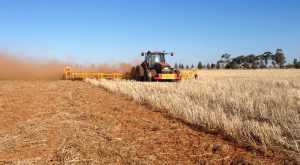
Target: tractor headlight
<point>166,69</point>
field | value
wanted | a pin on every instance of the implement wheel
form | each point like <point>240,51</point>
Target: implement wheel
<point>177,72</point>
<point>132,73</point>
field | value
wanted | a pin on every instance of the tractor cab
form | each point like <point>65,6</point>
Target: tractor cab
<point>153,58</point>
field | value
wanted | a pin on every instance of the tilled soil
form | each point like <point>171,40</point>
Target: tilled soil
<point>73,122</point>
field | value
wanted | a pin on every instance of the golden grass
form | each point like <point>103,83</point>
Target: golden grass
<point>260,108</point>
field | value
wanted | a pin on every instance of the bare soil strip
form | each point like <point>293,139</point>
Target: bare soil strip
<point>71,122</point>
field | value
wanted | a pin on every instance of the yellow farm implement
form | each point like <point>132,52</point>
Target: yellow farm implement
<point>189,74</point>
<point>69,75</point>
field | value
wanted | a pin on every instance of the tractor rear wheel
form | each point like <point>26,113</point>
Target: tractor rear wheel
<point>148,75</point>
<point>139,73</point>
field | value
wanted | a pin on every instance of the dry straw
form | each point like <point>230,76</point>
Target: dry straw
<point>260,108</point>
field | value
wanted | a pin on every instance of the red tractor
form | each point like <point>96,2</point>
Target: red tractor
<point>155,68</point>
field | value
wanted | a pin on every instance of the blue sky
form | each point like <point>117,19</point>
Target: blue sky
<point>97,31</point>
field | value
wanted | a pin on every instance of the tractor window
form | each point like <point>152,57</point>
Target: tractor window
<point>157,58</point>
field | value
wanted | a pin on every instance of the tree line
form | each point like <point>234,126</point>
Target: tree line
<point>251,61</point>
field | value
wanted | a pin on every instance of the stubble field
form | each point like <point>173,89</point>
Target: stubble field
<point>255,108</point>
<point>225,117</point>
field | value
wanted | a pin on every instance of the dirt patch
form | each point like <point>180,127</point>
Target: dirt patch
<point>57,122</point>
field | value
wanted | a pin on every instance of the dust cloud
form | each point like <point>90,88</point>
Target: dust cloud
<point>13,67</point>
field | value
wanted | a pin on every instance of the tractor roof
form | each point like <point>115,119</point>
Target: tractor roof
<point>155,52</point>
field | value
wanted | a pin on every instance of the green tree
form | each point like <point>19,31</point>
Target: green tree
<point>296,64</point>
<point>176,66</point>
<point>246,65</point>
<point>213,66</point>
<point>262,65</point>
<point>208,66</point>
<point>192,66</point>
<point>225,59</point>
<point>234,65</point>
<point>254,66</point>
<point>239,59</point>
<point>267,56</point>
<point>187,67</point>
<point>279,58</point>
<point>181,66</point>
<point>273,62</point>
<point>290,66</point>
<point>218,65</point>
<point>200,66</point>
<point>227,66</point>
<point>250,59</point>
